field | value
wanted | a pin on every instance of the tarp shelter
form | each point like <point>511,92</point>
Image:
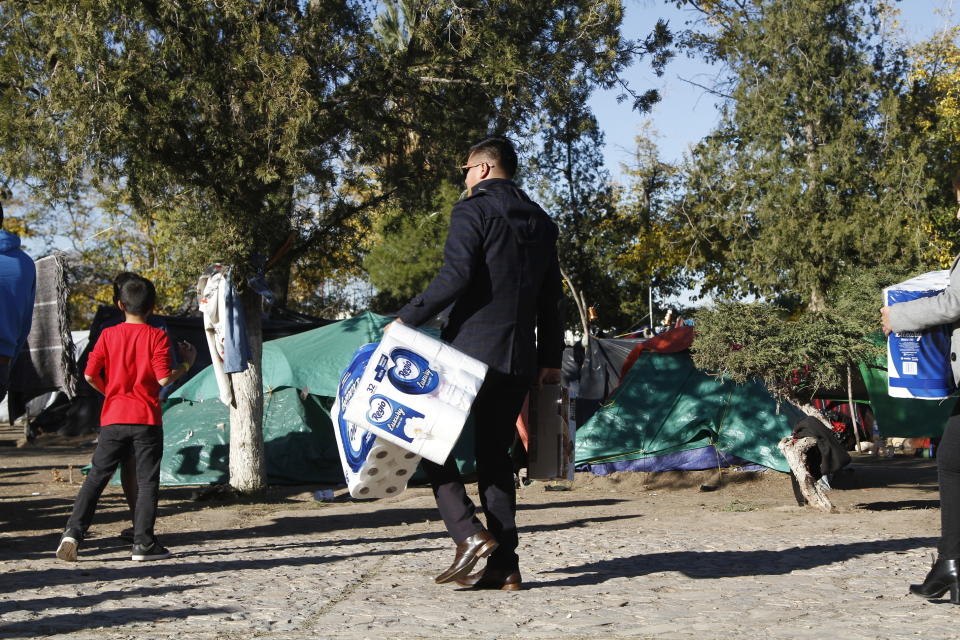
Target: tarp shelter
<point>82,414</point>
<point>301,374</point>
<point>667,407</point>
<point>592,373</point>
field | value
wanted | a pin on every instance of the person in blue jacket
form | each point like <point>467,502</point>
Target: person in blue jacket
<point>18,286</point>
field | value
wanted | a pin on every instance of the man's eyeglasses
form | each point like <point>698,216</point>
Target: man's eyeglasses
<point>466,168</point>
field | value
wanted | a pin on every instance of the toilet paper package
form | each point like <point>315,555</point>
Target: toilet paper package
<point>918,362</point>
<point>416,392</point>
<point>373,467</point>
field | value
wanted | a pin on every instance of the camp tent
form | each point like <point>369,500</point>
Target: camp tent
<point>301,374</point>
<point>300,377</point>
<point>668,414</point>
<point>904,417</point>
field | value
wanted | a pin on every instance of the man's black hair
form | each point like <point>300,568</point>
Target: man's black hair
<point>138,295</point>
<point>499,151</point>
<point>118,281</point>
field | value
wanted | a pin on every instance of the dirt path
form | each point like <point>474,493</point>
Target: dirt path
<point>625,556</point>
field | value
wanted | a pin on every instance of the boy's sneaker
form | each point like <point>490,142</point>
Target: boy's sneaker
<point>67,550</point>
<point>152,551</point>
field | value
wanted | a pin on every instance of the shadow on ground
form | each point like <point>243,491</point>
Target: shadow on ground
<point>702,565</point>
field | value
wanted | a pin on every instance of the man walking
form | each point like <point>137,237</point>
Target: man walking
<point>502,276</point>
<point>18,285</point>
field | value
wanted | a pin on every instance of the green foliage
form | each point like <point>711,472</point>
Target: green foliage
<point>410,251</point>
<point>793,357</point>
<point>249,122</point>
<point>814,171</point>
<point>648,250</point>
<point>615,242</point>
<point>933,107</point>
<point>795,352</point>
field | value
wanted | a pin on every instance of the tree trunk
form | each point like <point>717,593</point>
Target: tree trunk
<point>248,469</point>
<point>581,307</point>
<point>795,451</point>
<point>818,301</point>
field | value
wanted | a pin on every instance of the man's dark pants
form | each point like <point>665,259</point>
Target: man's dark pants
<point>495,412</point>
<point>113,446</point>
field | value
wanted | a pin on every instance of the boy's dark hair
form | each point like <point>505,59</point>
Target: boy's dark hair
<point>499,151</point>
<point>118,281</point>
<point>138,295</point>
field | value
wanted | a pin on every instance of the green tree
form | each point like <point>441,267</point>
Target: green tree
<point>814,171</point>
<point>795,354</point>
<point>263,127</point>
<point>646,240</point>
<point>410,251</point>
<point>608,233</point>
<point>933,104</point>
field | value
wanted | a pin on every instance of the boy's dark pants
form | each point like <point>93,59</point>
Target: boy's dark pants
<point>113,445</point>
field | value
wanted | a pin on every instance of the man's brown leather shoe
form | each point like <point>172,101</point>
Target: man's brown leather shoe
<point>479,545</point>
<point>499,579</point>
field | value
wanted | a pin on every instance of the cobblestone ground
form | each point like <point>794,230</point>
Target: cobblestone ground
<point>611,558</point>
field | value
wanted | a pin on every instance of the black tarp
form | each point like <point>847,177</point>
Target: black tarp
<point>597,370</point>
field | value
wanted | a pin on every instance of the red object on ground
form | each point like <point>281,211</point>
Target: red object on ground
<point>670,341</point>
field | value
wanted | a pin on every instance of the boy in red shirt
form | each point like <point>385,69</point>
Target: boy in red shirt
<point>129,364</point>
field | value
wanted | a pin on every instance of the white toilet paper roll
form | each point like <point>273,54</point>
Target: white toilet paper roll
<point>441,430</point>
<point>369,472</point>
<point>381,451</point>
<point>362,490</point>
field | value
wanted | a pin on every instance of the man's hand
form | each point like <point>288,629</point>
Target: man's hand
<point>885,321</point>
<point>548,376</point>
<point>395,321</point>
<point>186,352</point>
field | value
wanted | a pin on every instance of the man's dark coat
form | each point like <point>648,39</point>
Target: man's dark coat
<point>501,273</point>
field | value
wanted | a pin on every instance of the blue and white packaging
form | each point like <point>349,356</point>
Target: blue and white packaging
<point>416,392</point>
<point>373,467</point>
<point>918,362</point>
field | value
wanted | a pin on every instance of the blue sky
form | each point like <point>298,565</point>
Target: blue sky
<point>687,113</point>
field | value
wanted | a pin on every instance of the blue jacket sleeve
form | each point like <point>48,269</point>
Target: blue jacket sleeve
<point>462,253</point>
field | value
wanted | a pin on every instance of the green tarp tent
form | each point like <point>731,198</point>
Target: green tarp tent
<point>301,374</point>
<point>901,417</point>
<point>666,405</point>
<point>299,444</point>
<point>310,361</point>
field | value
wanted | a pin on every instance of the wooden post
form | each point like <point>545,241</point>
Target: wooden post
<point>853,412</point>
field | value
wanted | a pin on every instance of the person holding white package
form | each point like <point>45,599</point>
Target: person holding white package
<point>502,276</point>
<point>916,315</point>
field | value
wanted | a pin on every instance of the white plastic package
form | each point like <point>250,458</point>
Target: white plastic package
<point>416,392</point>
<point>372,467</point>
<point>918,362</point>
